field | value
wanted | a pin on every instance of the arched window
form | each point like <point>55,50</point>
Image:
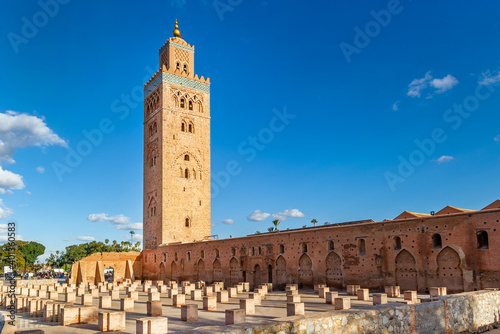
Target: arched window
<point>189,256</point>
<point>260,251</point>
<point>304,248</point>
<point>178,66</point>
<point>190,128</point>
<point>194,173</point>
<point>175,256</point>
<point>190,105</point>
<point>155,127</point>
<point>216,252</point>
<point>186,173</point>
<point>183,127</point>
<point>361,247</point>
<point>182,103</point>
<point>436,241</point>
<point>252,251</point>
<point>282,249</point>
<point>188,222</point>
<point>397,243</point>
<point>186,157</point>
<point>233,251</point>
<point>150,130</point>
<point>185,68</point>
<point>331,245</point>
<point>482,240</point>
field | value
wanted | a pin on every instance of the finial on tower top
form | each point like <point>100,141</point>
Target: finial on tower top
<point>176,31</point>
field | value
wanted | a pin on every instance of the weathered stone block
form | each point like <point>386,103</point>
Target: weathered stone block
<point>379,298</point>
<point>157,325</point>
<point>342,303</point>
<point>134,295</point>
<point>189,312</point>
<point>222,296</point>
<point>322,290</point>
<point>105,302</point>
<point>363,294</point>
<point>154,309</point>
<point>111,321</point>
<point>233,293</point>
<point>234,317</point>
<point>392,291</point>
<point>196,295</point>
<point>114,294</point>
<point>70,297</point>
<point>352,290</point>
<point>248,305</point>
<point>256,297</point>
<point>179,300</point>
<point>208,291</point>
<point>153,296</point>
<point>410,295</point>
<point>87,299</point>
<point>292,293</point>
<point>330,297</point>
<point>209,303</point>
<point>293,299</point>
<point>69,316</point>
<point>127,305</point>
<point>87,314</point>
<point>294,309</point>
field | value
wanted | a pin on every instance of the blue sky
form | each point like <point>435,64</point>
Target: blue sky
<point>392,106</point>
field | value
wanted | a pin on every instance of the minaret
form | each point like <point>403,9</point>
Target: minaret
<point>176,149</point>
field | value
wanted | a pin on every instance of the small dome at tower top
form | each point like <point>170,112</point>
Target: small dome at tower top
<point>176,31</point>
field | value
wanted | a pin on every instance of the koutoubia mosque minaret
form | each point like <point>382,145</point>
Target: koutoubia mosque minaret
<point>176,149</point>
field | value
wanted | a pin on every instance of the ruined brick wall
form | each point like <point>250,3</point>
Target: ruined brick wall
<point>372,254</point>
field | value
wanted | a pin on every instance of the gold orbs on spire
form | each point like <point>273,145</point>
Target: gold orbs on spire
<point>176,31</point>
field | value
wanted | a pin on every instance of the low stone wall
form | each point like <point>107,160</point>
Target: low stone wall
<point>22,283</point>
<point>470,312</point>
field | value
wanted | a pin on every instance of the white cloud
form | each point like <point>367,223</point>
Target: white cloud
<point>497,138</point>
<point>416,87</point>
<point>228,221</point>
<point>489,79</point>
<point>294,213</point>
<point>99,217</point>
<point>67,239</point>
<point>395,105</point>
<point>40,169</point>
<point>443,159</point>
<point>28,192</point>
<point>131,226</point>
<point>22,130</point>
<point>4,211</point>
<point>85,238</point>
<point>5,238</point>
<point>9,180</point>
<point>442,85</point>
<point>258,216</point>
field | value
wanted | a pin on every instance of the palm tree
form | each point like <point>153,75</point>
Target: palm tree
<point>276,222</point>
<point>271,229</point>
<point>131,236</point>
<point>314,221</point>
<point>106,241</point>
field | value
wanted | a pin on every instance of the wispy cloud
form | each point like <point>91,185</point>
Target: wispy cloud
<point>4,211</point>
<point>85,238</point>
<point>444,84</point>
<point>395,105</point>
<point>258,216</point>
<point>40,169</point>
<point>443,159</point>
<point>489,78</point>
<point>497,138</point>
<point>121,222</point>
<point>228,221</point>
<point>416,87</point>
<point>293,213</point>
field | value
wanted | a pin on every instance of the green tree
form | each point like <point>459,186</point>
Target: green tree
<point>32,250</point>
<point>276,222</point>
<point>132,236</point>
<point>314,222</point>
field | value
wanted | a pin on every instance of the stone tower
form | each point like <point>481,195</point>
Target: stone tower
<point>176,149</point>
